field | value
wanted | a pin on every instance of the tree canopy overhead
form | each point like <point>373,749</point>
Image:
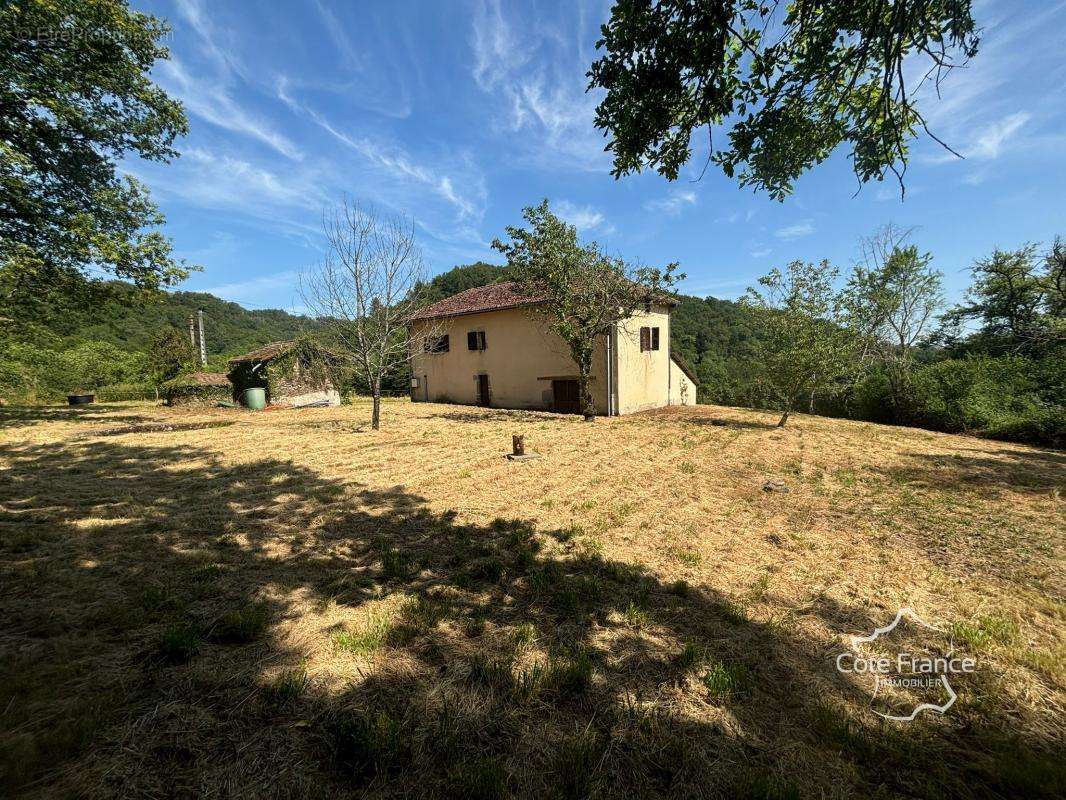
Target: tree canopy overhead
<point>794,81</point>
<point>77,96</point>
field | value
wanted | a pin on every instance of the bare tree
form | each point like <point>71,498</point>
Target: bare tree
<point>365,291</point>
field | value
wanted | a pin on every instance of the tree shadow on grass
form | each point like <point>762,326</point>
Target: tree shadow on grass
<point>503,415</point>
<point>171,628</point>
<point>1017,469</point>
<point>22,416</point>
<point>697,415</point>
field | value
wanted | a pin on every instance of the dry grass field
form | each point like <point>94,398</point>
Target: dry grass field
<point>220,603</point>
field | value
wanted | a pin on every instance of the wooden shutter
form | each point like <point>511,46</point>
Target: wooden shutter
<point>481,340</point>
<point>645,339</point>
<point>471,341</point>
<point>654,338</point>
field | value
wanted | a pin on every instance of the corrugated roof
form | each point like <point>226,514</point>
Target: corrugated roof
<point>494,297</point>
<point>264,353</point>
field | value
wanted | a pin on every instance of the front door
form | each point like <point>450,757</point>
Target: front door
<point>482,390</point>
<point>566,399</point>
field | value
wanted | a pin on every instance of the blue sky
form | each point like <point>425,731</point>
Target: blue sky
<point>458,114</point>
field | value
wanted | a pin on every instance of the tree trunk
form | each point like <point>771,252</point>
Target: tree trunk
<point>784,418</point>
<point>810,405</point>
<point>588,407</point>
<point>375,421</point>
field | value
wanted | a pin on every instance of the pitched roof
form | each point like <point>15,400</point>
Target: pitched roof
<point>207,378</point>
<point>685,368</point>
<point>264,353</point>
<point>494,297</point>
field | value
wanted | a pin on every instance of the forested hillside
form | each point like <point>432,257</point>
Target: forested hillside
<point>105,345</point>
<point>229,328</point>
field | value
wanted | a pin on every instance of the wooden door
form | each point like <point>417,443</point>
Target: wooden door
<point>566,398</point>
<point>482,390</point>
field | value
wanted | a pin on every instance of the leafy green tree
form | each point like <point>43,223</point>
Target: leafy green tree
<point>94,364</point>
<point>804,346</point>
<point>77,97</point>
<point>585,292</point>
<point>894,297</point>
<point>170,354</point>
<point>793,80</point>
<point>1018,298</point>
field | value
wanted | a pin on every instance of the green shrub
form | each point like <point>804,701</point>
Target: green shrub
<point>122,392</point>
<point>1013,398</point>
<point>1046,426</point>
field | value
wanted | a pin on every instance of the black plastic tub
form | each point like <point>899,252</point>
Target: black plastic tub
<point>80,399</point>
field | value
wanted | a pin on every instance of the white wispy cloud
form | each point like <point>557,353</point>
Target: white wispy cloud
<point>336,32</point>
<point>262,290</point>
<point>210,100</point>
<point>991,140</point>
<point>790,232</point>
<point>290,203</point>
<point>538,80</point>
<point>584,218</point>
<point>991,94</point>
<point>468,201</point>
<point>989,144</point>
<point>760,252</point>
<point>673,203</point>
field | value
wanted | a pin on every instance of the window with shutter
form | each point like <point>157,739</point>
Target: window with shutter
<point>436,344</point>
<point>475,340</point>
<point>654,338</point>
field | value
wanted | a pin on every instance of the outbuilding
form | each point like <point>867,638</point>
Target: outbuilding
<point>197,389</point>
<point>297,373</point>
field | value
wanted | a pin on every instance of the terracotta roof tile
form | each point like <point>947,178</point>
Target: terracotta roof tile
<point>685,368</point>
<point>494,297</point>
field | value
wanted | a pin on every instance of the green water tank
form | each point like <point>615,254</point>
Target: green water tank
<point>255,399</point>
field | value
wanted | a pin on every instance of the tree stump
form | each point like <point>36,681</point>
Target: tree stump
<point>518,449</point>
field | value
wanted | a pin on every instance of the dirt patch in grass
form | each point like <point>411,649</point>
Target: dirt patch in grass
<point>405,614</point>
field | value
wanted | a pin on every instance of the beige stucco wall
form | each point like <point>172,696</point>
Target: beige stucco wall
<point>682,388</point>
<point>518,351</point>
<point>643,378</point>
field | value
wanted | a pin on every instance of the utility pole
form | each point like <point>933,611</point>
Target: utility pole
<point>192,333</point>
<point>203,347</point>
